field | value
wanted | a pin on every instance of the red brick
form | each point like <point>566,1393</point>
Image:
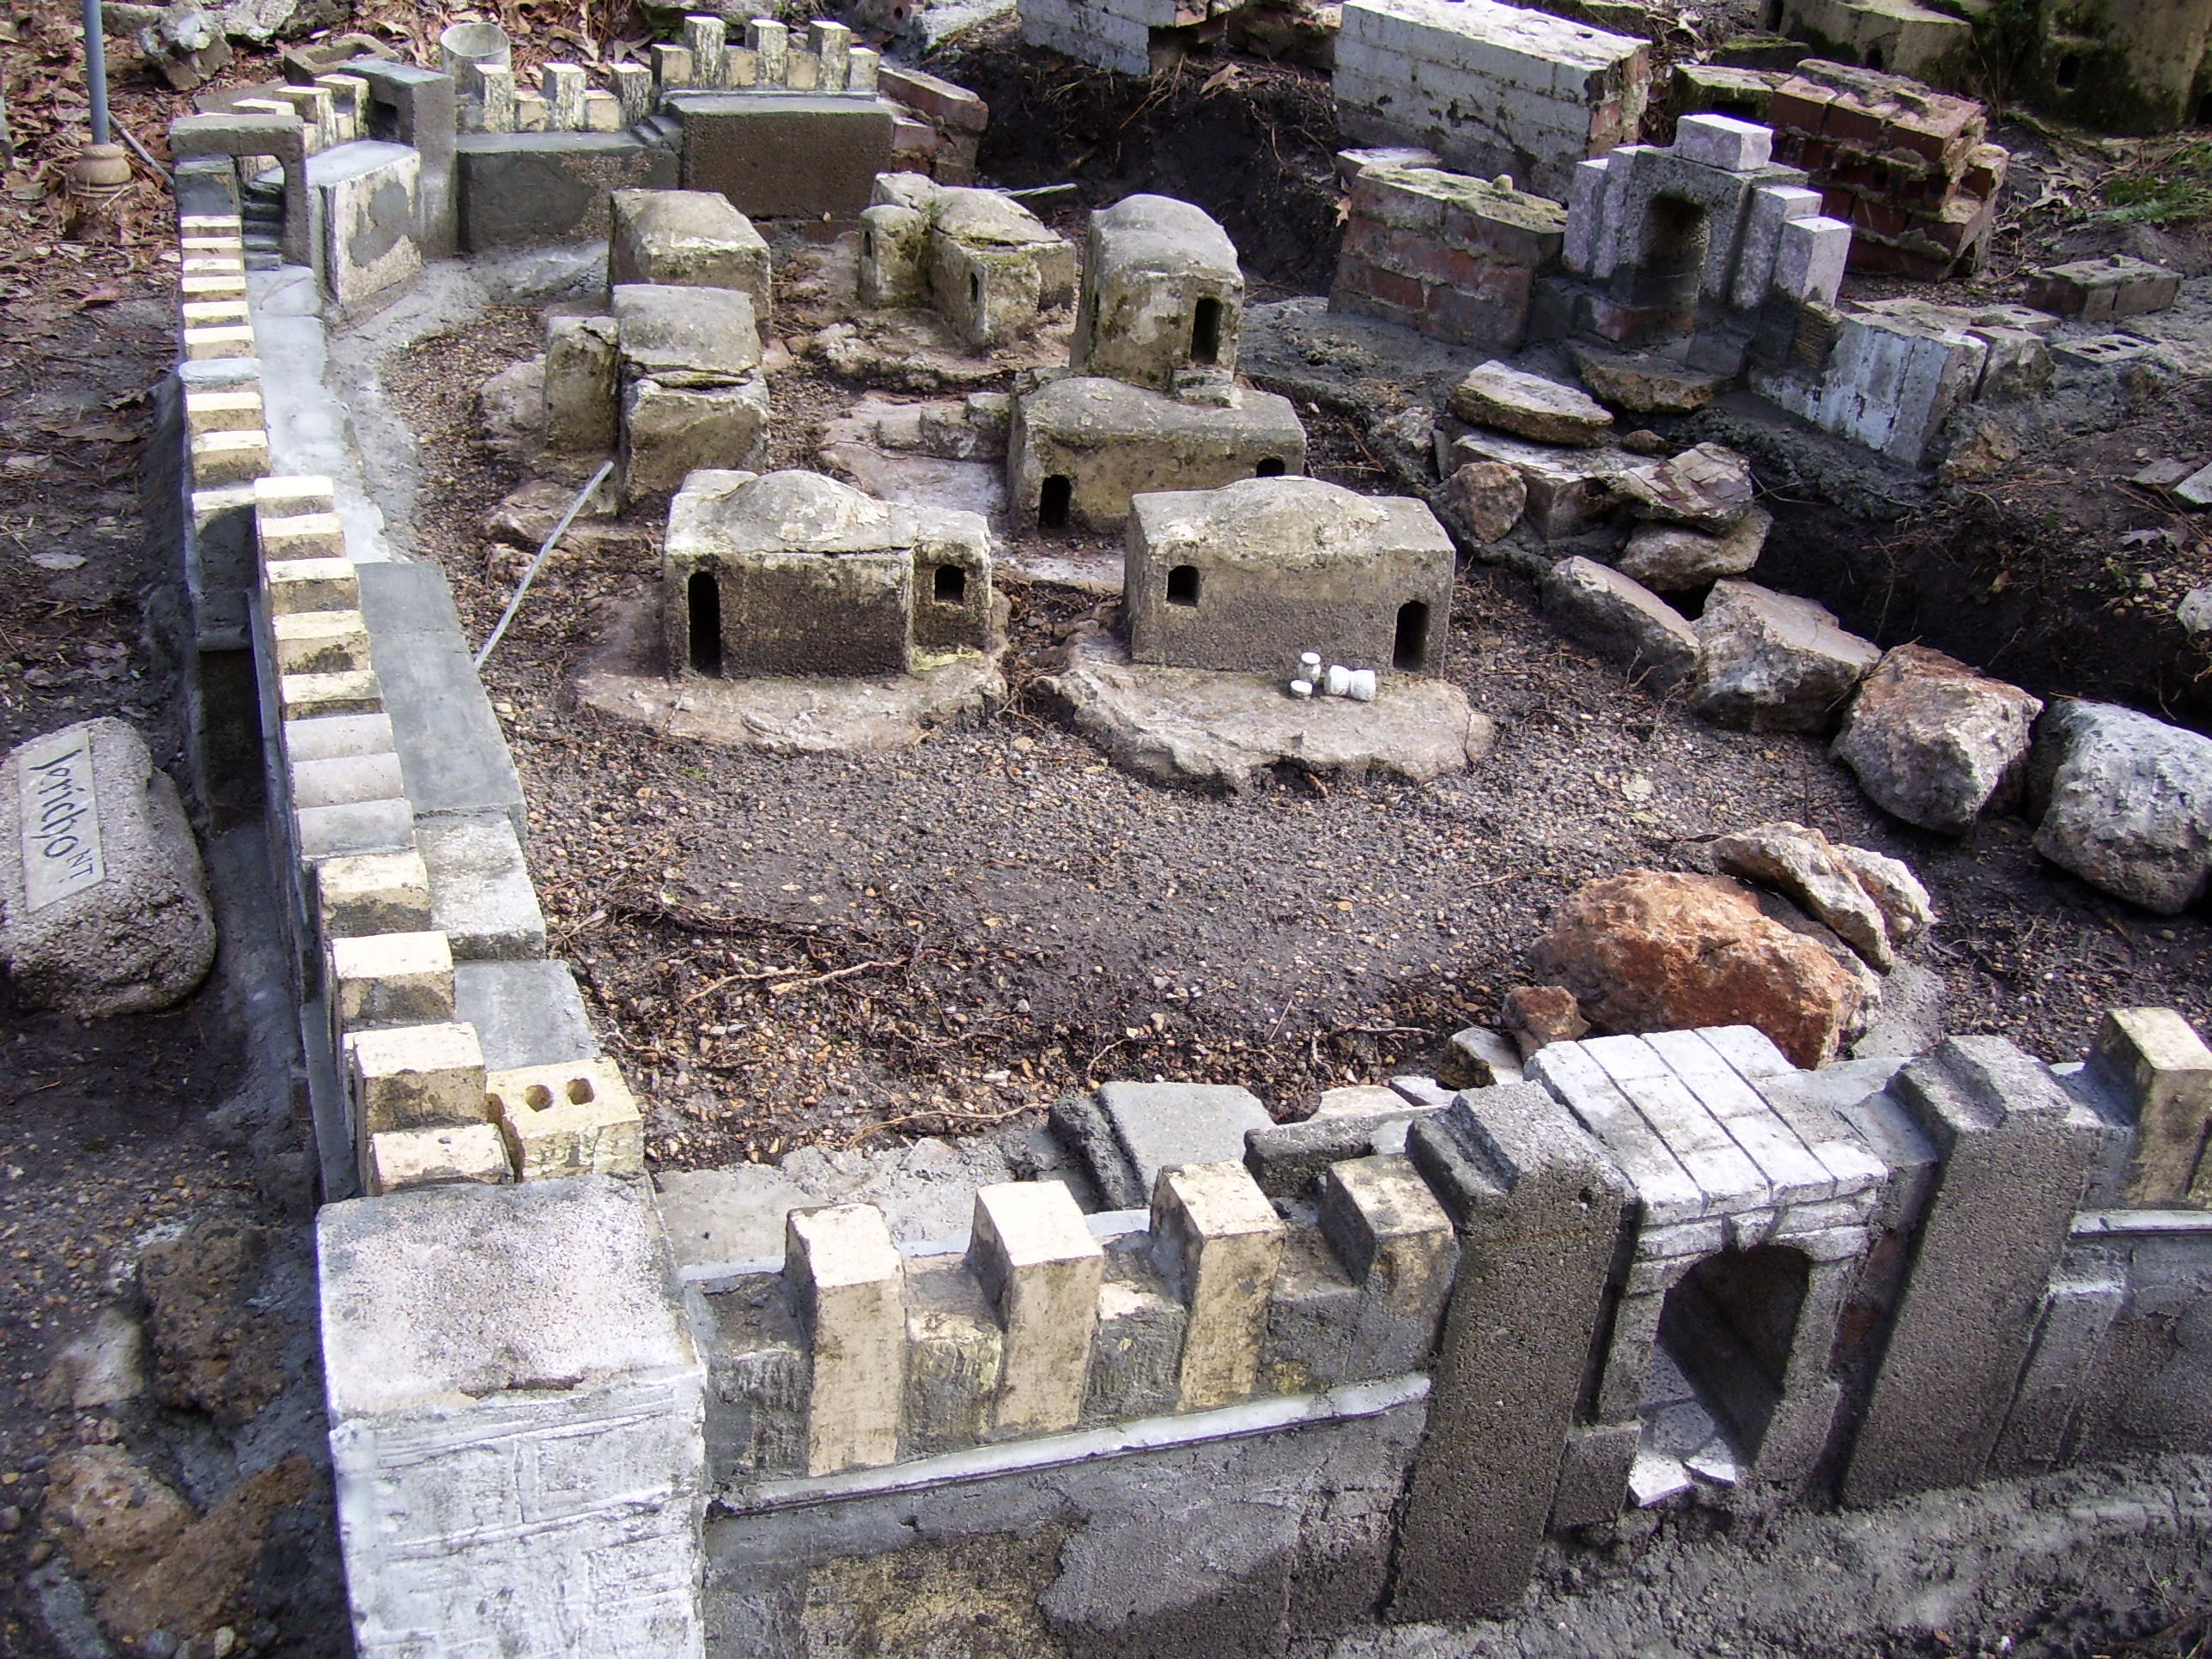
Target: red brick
<point>1365,238</point>
<point>1800,105</point>
<point>1468,320</point>
<point>1850,124</point>
<point>1366,304</point>
<point>1391,288</point>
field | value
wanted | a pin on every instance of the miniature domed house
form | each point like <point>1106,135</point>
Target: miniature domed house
<point>1245,578</point>
<point>795,574</point>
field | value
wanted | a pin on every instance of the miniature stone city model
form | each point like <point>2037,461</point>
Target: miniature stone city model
<point>1383,1356</point>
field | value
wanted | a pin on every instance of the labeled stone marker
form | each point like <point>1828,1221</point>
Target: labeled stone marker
<point>103,907</point>
<point>61,818</point>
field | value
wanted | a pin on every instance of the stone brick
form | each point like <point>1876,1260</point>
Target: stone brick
<point>1034,1256</point>
<point>372,893</point>
<point>2163,1070</point>
<point>391,979</point>
<point>1217,1240</point>
<point>412,1077</point>
<point>845,1280</point>
<point>1396,1242</point>
<point>399,1159</point>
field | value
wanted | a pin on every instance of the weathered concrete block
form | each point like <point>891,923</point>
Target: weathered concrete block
<point>1539,1207</point>
<point>371,208</point>
<point>1162,1126</point>
<point>1136,1348</point>
<point>1244,578</point>
<point>670,432</point>
<point>2015,1148</point>
<point>565,1120</point>
<point>342,782</point>
<point>955,1355</point>
<point>1217,1241</point>
<point>1162,293</point>
<point>529,189</point>
<point>583,393</point>
<point>480,887</point>
<point>303,584</point>
<point>2164,1070</point>
<point>844,1277</point>
<point>1031,1251</point>
<point>518,1351</point>
<point>686,238</point>
<point>894,256</point>
<point>1080,447</point>
<point>748,147</point>
<point>414,1076</point>
<point>1724,142</point>
<point>312,696</point>
<point>1396,1241</point>
<point>1313,1317</point>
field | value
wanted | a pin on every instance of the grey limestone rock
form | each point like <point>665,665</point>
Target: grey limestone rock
<point>2127,803</point>
<point>103,904</point>
<point>1771,662</point>
<point>1529,406</point>
<point>1934,743</point>
<point>1670,558</point>
<point>1622,620</point>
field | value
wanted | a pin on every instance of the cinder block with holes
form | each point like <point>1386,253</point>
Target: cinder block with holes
<point>565,1120</point>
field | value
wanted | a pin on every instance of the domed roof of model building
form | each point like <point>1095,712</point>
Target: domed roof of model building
<point>1158,233</point>
<point>1285,523</point>
<point>795,511</point>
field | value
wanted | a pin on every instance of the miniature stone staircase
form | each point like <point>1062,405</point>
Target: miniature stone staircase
<point>261,215</point>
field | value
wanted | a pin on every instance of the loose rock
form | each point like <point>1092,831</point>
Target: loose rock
<point>213,1349</point>
<point>1648,951</point>
<point>1771,662</point>
<point>1622,620</point>
<point>1535,1015</point>
<point>113,1516</point>
<point>1935,743</point>
<point>1804,864</point>
<point>1487,497</point>
<point>1708,487</point>
<point>1643,383</point>
<point>1670,558</point>
<point>1529,406</point>
<point>103,901</point>
<point>205,1576</point>
<point>1906,910</point>
<point>2127,803</point>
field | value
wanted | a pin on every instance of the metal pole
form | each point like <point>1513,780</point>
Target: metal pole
<point>95,71</point>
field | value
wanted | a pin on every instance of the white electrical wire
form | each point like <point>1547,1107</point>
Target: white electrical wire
<point>531,575</point>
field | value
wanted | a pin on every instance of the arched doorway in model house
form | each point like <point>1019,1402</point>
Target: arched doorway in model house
<point>1728,1328</point>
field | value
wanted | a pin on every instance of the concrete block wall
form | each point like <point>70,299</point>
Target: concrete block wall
<point>1491,88</point>
<point>1449,256</point>
<point>1130,37</point>
<point>443,1071</point>
<point>851,1355</point>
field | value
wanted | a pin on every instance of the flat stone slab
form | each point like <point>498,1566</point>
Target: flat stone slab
<point>1529,406</point>
<point>1185,725</point>
<point>785,716</point>
<point>1165,1125</point>
<point>1305,351</point>
<point>920,480</point>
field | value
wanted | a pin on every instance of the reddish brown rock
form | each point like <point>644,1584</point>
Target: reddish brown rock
<point>203,1580</point>
<point>213,1350</point>
<point>1648,951</point>
<point>1537,1014</point>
